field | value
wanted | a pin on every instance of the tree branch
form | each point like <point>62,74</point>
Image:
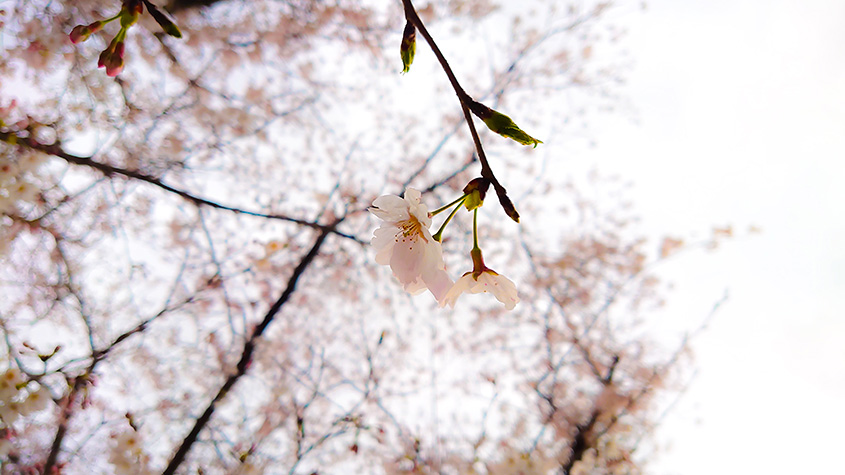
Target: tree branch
<point>249,348</point>
<point>56,150</point>
<point>580,443</point>
<point>81,380</point>
<point>486,171</point>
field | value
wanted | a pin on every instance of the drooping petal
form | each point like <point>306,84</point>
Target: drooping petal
<point>438,282</point>
<point>488,281</point>
<point>500,286</point>
<point>434,271</point>
<point>416,287</point>
<point>462,285</point>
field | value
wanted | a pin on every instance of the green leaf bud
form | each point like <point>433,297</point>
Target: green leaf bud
<point>408,47</point>
<point>166,23</point>
<point>502,124</point>
<point>475,192</point>
<point>132,9</point>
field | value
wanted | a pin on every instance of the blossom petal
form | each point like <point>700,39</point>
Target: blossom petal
<point>406,259</point>
<point>412,196</point>
<point>434,270</point>
<point>500,286</point>
<point>415,287</point>
<point>390,208</point>
<point>462,285</point>
<point>384,238</point>
<point>390,202</point>
<point>438,282</point>
<point>489,281</point>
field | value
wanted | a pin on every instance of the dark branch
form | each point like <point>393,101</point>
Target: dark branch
<point>580,443</point>
<point>109,170</point>
<point>81,380</point>
<point>246,354</point>
<point>175,6</point>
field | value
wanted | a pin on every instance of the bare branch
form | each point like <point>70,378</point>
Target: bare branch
<point>56,150</point>
<point>249,348</point>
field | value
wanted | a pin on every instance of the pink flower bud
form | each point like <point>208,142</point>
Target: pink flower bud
<point>115,65</point>
<point>96,26</point>
<point>118,50</point>
<point>112,58</point>
<point>104,56</point>
<point>80,33</point>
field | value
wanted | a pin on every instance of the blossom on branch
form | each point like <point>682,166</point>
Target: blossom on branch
<point>483,279</point>
<point>404,242</point>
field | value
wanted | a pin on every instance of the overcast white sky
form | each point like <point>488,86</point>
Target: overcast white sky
<point>742,108</point>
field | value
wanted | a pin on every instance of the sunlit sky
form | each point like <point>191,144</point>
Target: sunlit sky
<point>741,108</point>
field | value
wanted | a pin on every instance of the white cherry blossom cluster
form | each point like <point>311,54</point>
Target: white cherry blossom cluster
<point>405,243</point>
<point>18,175</point>
<point>608,457</point>
<point>517,463</point>
<point>18,398</point>
<point>127,454</point>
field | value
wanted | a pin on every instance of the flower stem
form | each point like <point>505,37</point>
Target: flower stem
<point>475,230</point>
<point>109,20</point>
<point>444,208</point>
<point>439,234</point>
<point>478,266</point>
<point>120,36</point>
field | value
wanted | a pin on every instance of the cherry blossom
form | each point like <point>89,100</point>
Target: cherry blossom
<point>9,382</point>
<point>127,454</point>
<point>38,400</point>
<point>516,463</point>
<point>10,412</point>
<point>404,242</point>
<point>483,279</point>
<point>5,448</point>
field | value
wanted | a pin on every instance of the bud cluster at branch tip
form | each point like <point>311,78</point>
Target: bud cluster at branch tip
<point>112,58</point>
